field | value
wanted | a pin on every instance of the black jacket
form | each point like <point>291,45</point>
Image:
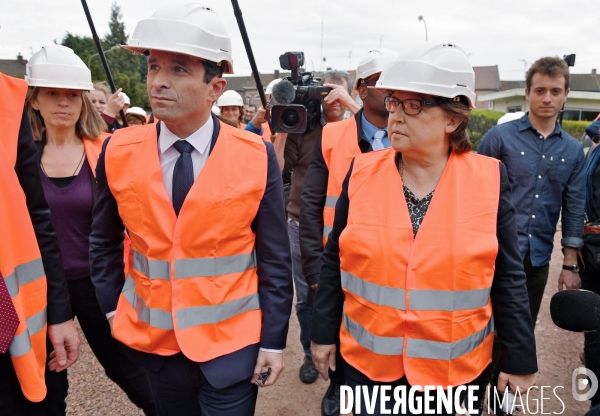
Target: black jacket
<point>510,302</point>
<point>59,303</point>
<point>313,203</point>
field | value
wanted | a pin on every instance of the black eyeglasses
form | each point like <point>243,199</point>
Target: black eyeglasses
<point>411,107</point>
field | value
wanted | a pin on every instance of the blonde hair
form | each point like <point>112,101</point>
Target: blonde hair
<point>89,124</point>
<point>103,86</point>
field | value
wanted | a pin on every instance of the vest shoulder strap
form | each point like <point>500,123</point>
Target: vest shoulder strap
<point>11,109</point>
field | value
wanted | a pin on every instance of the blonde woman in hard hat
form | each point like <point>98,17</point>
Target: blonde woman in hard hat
<point>423,243</point>
<point>67,130</point>
<point>231,105</point>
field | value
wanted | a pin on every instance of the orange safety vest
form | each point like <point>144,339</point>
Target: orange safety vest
<point>20,258</point>
<point>266,135</point>
<point>339,144</point>
<point>193,286</point>
<point>420,306</point>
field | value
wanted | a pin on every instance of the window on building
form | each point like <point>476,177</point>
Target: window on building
<point>490,105</point>
<point>589,115</point>
<point>514,109</point>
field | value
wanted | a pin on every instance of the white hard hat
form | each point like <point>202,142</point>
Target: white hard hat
<point>510,117</point>
<point>441,70</point>
<point>56,66</point>
<point>269,89</point>
<point>136,110</point>
<point>230,97</point>
<point>126,99</point>
<point>216,110</point>
<point>372,63</point>
<point>190,29</point>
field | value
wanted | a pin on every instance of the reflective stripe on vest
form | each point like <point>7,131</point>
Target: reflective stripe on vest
<point>331,200</point>
<point>326,230</point>
<point>202,315</point>
<point>374,293</point>
<point>154,269</point>
<point>21,344</point>
<point>377,344</point>
<point>214,266</point>
<point>419,348</point>
<point>152,316</point>
<point>23,274</point>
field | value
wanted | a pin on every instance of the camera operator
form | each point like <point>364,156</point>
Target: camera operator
<point>330,162</point>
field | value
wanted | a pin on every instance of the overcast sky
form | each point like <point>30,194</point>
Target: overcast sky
<point>505,33</point>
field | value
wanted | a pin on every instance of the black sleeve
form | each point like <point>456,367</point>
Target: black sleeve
<point>273,258</point>
<point>314,194</point>
<point>106,242</point>
<point>329,300</point>
<point>59,302</point>
<point>510,302</point>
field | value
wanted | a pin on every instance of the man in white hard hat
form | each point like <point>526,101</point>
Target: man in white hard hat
<point>205,305</point>
<point>340,142</point>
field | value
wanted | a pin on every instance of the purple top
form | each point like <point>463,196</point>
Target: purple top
<point>71,211</point>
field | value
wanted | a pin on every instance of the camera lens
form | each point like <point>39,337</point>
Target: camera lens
<point>290,118</point>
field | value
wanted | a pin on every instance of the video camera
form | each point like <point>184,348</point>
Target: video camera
<point>298,107</point>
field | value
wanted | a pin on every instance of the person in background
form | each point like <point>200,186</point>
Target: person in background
<point>36,311</point>
<point>108,105</point>
<point>136,116</point>
<point>99,96</point>
<point>424,247</point>
<point>231,105</point>
<point>249,112</point>
<point>545,167</point>
<point>66,129</point>
<point>294,152</point>
<point>333,152</point>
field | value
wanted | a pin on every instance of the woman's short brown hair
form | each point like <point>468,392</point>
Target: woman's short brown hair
<point>89,124</point>
<point>459,138</point>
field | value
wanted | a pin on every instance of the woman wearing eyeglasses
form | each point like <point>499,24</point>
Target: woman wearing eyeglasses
<point>424,248</point>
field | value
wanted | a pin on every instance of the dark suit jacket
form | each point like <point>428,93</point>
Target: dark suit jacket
<point>275,287</point>
<point>59,302</point>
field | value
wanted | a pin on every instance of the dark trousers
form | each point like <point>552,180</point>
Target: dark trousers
<point>537,277</point>
<point>590,280</point>
<point>130,377</point>
<point>355,378</point>
<point>12,400</point>
<point>181,389</point>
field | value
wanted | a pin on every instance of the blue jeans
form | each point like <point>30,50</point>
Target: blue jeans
<point>303,310</point>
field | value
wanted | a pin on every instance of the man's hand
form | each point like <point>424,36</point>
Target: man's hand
<point>272,360</point>
<point>259,118</point>
<point>115,104</point>
<point>65,340</point>
<point>323,357</point>
<point>569,279</point>
<point>340,94</point>
<point>514,381</point>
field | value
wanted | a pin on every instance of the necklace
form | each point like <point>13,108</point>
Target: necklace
<point>74,172</point>
<point>401,168</point>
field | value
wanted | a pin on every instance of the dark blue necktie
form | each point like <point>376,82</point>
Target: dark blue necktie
<point>183,173</point>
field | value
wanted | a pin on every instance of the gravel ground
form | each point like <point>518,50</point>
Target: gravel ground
<point>92,393</point>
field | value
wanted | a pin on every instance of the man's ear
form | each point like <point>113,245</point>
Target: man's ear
<point>216,88</point>
<point>527,94</point>
<point>363,92</point>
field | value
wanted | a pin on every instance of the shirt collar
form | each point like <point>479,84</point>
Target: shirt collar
<point>368,128</point>
<point>200,139</point>
<point>525,124</point>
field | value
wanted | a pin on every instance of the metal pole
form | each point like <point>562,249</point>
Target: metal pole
<point>109,77</point>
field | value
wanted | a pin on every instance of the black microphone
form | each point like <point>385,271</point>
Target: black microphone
<point>576,310</point>
<point>284,92</point>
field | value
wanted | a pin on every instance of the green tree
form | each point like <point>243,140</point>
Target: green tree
<point>128,70</point>
<point>117,35</point>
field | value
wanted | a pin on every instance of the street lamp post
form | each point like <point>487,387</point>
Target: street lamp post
<point>425,23</point>
<point>111,49</point>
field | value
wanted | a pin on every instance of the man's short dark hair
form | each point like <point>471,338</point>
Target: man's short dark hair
<point>252,105</point>
<point>551,66</point>
<point>334,76</point>
<point>211,70</point>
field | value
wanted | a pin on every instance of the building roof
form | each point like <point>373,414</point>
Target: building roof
<point>246,82</point>
<point>487,78</point>
<point>520,92</point>
<point>13,67</point>
<point>579,82</point>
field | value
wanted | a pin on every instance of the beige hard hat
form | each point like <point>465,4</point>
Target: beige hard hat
<point>56,66</point>
<point>136,110</point>
<point>372,63</point>
<point>190,29</point>
<point>230,97</point>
